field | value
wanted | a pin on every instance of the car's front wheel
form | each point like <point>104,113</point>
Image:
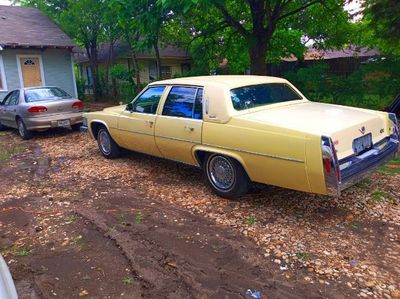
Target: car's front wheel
<point>226,176</point>
<point>23,131</point>
<point>107,145</point>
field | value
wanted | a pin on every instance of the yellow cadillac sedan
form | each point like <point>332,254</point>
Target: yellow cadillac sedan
<point>243,129</point>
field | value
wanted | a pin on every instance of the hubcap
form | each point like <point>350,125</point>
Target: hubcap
<point>21,128</point>
<point>221,173</point>
<point>105,143</point>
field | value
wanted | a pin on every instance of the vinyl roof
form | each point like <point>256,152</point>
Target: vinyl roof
<point>230,81</point>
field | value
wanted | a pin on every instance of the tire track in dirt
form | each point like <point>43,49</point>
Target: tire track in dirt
<point>175,254</point>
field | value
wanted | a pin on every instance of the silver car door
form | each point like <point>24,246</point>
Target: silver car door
<point>3,108</point>
<point>11,110</point>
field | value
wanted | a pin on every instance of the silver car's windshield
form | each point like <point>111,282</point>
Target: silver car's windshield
<point>45,94</point>
<point>263,94</point>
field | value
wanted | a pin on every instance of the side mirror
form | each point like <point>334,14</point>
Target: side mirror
<point>129,107</point>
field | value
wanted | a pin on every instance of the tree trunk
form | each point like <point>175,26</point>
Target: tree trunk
<point>110,63</point>
<point>92,54</point>
<point>158,59</point>
<point>137,72</point>
<point>258,65</point>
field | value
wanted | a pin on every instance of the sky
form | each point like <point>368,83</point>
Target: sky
<point>5,2</point>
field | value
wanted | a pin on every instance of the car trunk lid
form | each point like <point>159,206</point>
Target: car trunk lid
<point>55,107</point>
<point>342,124</point>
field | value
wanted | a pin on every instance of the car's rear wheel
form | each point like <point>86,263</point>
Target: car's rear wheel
<point>107,145</point>
<point>23,131</point>
<point>226,176</point>
<point>76,127</point>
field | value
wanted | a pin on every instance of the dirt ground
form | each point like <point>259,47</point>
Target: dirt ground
<point>73,225</point>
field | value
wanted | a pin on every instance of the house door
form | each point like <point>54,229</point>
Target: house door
<point>31,73</point>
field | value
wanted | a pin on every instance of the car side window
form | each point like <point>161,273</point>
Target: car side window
<point>198,105</point>
<point>148,101</point>
<point>180,102</point>
<point>14,99</point>
<point>7,99</point>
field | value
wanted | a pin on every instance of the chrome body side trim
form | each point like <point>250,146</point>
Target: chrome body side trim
<point>255,153</point>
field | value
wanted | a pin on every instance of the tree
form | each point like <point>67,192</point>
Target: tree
<point>83,20</point>
<point>382,25</point>
<point>259,25</point>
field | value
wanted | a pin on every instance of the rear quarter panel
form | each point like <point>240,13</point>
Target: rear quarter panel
<point>270,155</point>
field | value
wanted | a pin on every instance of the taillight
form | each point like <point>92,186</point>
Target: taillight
<point>78,105</point>
<point>37,109</point>
<point>327,163</point>
<point>329,157</point>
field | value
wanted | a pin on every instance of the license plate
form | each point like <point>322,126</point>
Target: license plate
<point>362,144</point>
<point>64,123</point>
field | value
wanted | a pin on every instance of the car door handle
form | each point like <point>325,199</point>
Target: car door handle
<point>150,123</point>
<point>189,128</point>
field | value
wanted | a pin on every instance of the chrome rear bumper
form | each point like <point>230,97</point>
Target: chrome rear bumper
<point>352,169</point>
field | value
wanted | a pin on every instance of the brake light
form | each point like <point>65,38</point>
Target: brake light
<point>329,157</point>
<point>37,109</point>
<point>327,163</point>
<point>78,105</point>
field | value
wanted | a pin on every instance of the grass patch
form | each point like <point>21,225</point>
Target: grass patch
<point>123,220</point>
<point>355,226</point>
<point>364,183</point>
<point>70,219</point>
<point>139,217</point>
<point>305,256</point>
<point>16,251</point>
<point>392,167</point>
<point>22,252</point>
<point>379,196</point>
<point>78,242</point>
<point>7,153</point>
<point>251,220</point>
<point>127,280</point>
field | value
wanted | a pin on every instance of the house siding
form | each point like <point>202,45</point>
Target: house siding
<point>57,68</point>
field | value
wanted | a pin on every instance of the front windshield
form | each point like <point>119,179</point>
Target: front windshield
<point>263,94</point>
<point>45,94</point>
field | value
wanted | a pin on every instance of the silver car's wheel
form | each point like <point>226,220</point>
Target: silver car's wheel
<point>221,172</point>
<point>104,142</point>
<point>21,128</point>
<point>23,132</point>
<point>107,145</point>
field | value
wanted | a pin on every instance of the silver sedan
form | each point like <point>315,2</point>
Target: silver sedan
<point>39,109</point>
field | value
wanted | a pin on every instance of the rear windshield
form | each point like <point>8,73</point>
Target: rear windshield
<point>264,94</point>
<point>45,94</point>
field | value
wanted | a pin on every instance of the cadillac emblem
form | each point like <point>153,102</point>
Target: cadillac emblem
<point>362,130</point>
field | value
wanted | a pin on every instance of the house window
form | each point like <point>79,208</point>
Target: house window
<point>166,72</point>
<point>3,85</point>
<point>153,71</point>
<point>185,67</point>
<point>89,76</point>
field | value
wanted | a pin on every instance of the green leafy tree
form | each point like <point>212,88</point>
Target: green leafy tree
<point>257,30</point>
<point>84,21</point>
<point>381,25</point>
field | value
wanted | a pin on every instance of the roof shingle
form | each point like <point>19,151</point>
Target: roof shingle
<point>28,27</point>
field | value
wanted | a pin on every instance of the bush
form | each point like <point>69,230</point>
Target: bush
<point>80,86</point>
<point>373,85</point>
